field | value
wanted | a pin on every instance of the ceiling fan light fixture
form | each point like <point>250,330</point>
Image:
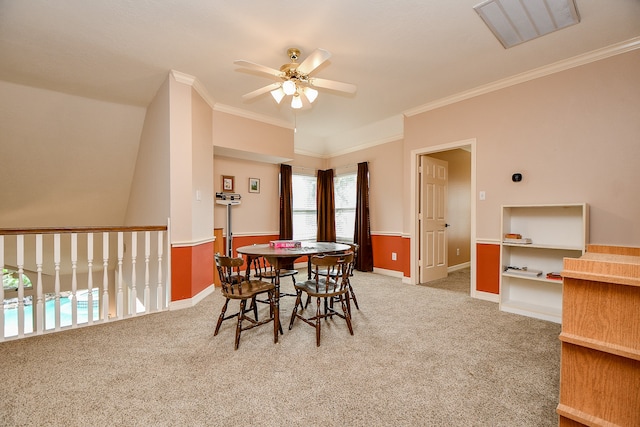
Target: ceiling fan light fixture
<point>296,102</point>
<point>278,94</point>
<point>289,87</point>
<point>310,93</point>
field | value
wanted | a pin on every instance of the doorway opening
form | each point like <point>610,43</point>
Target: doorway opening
<point>456,226</point>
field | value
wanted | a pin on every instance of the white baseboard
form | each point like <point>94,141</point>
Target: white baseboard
<point>193,301</point>
<point>385,272</point>
<point>457,267</point>
<point>486,296</point>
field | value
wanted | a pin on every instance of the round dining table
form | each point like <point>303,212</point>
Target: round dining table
<point>280,257</point>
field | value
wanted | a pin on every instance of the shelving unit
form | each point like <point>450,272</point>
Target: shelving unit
<point>556,232</point>
<point>600,365</point>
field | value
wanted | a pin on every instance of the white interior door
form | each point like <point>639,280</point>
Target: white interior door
<point>434,176</point>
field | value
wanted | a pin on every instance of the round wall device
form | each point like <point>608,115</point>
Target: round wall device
<point>516,177</point>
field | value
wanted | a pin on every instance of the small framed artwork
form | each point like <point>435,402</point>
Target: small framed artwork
<point>254,185</point>
<point>227,184</point>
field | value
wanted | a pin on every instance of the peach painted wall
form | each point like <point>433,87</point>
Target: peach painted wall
<point>258,213</point>
<point>149,196</point>
<point>191,190</point>
<point>252,136</point>
<point>66,160</point>
<point>256,220</point>
<point>202,197</point>
<point>386,170</point>
<point>573,135</point>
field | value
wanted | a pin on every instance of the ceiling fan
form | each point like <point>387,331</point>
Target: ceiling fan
<point>295,78</point>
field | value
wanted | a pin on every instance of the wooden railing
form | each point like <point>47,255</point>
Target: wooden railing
<point>57,284</point>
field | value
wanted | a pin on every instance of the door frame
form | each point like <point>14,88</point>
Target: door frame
<point>414,249</point>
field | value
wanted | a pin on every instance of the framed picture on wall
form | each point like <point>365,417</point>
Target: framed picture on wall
<point>254,185</point>
<point>227,183</point>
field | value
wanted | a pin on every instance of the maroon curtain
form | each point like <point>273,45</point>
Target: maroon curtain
<point>286,207</point>
<point>326,205</point>
<point>362,233</point>
<point>286,203</point>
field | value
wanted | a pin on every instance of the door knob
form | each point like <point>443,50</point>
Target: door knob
<point>447,225</point>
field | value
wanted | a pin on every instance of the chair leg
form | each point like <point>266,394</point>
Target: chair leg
<point>255,308</point>
<point>353,296</point>
<point>221,317</point>
<point>272,302</point>
<point>347,315</point>
<point>318,323</point>
<point>295,307</point>
<point>243,304</point>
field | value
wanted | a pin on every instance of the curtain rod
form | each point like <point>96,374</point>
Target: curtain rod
<point>347,166</point>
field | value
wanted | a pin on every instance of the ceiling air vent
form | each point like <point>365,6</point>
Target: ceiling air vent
<point>517,21</point>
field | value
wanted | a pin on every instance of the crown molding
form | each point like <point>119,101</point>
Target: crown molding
<point>190,80</point>
<point>196,84</point>
<point>223,108</point>
<point>556,67</point>
<point>310,154</point>
<point>391,138</point>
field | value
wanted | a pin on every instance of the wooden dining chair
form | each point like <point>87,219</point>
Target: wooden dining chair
<point>236,287</point>
<point>265,271</point>
<point>325,287</point>
<point>351,293</point>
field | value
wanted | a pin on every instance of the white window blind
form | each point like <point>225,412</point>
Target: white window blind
<point>345,195</point>
<point>304,207</point>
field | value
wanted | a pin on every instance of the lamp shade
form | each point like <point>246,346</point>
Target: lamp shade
<point>278,94</point>
<point>296,102</point>
<point>310,93</point>
<point>289,87</point>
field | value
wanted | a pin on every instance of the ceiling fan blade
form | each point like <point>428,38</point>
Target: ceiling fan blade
<point>262,90</point>
<point>258,67</point>
<point>313,61</point>
<point>333,85</point>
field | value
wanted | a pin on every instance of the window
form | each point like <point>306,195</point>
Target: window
<point>345,195</point>
<point>304,207</point>
<point>305,226</point>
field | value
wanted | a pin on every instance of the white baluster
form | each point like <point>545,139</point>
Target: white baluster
<point>2,288</point>
<point>133,295</point>
<point>147,254</point>
<point>20,265</point>
<point>159,298</point>
<point>119,294</point>
<point>105,277</point>
<point>56,263</point>
<point>74,280</point>
<point>40,314</point>
<point>90,278</point>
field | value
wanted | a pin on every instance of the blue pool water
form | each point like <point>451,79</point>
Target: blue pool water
<point>11,316</point>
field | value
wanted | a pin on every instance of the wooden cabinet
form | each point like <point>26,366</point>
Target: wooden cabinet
<point>552,233</point>
<point>600,367</point>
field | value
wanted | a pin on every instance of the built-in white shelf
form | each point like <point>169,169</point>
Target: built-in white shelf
<point>556,232</point>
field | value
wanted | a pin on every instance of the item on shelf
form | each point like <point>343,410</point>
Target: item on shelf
<point>523,271</point>
<point>554,276</point>
<point>286,244</point>
<point>520,241</point>
<point>513,236</point>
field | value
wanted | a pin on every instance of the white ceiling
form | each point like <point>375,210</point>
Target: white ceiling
<point>400,53</point>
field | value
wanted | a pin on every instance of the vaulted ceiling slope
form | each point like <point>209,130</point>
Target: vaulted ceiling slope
<point>401,54</point>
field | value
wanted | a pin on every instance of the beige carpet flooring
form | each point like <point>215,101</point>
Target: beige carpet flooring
<point>420,356</point>
<point>456,281</point>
